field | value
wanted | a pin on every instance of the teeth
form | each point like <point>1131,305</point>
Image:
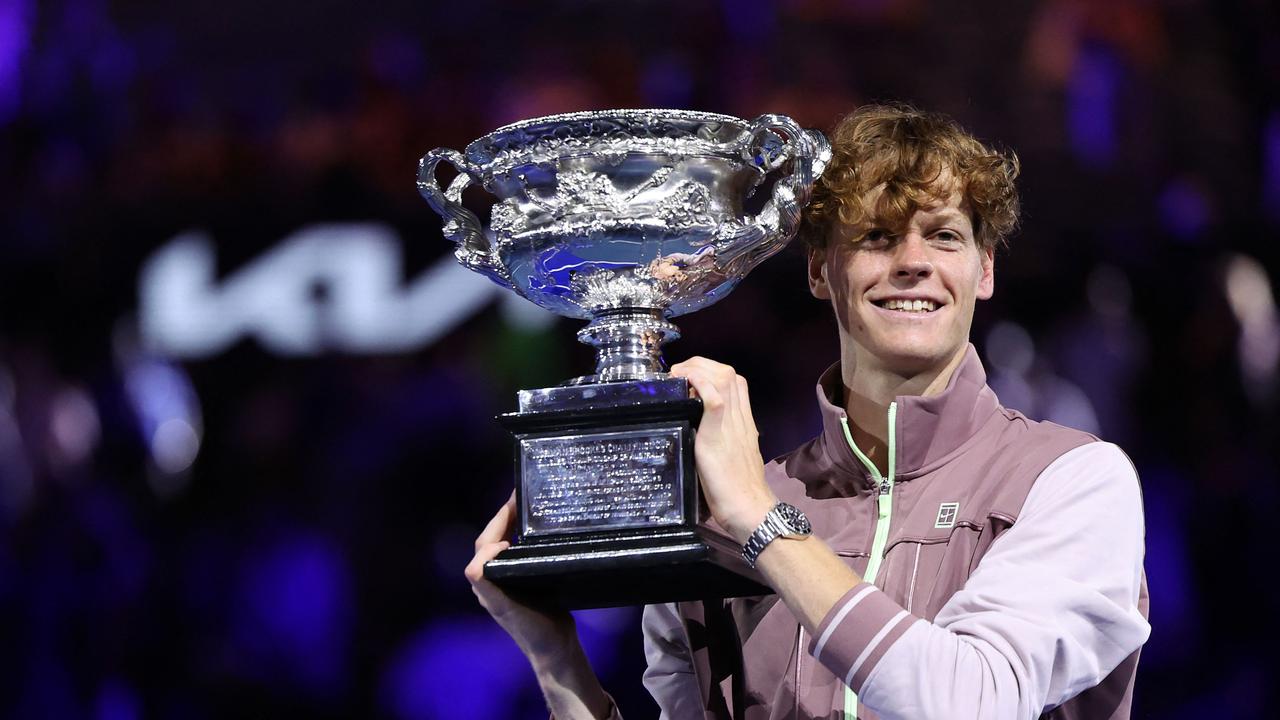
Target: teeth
<point>910,305</point>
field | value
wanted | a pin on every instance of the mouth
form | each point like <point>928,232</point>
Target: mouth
<point>913,307</point>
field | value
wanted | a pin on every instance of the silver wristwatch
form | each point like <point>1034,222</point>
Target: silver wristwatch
<point>782,521</point>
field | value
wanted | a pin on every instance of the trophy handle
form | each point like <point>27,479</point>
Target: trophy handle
<point>461,225</point>
<point>769,142</point>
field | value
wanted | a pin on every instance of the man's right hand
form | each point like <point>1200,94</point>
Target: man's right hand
<point>547,637</point>
<point>541,634</point>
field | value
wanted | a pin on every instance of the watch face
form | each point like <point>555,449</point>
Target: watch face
<point>796,522</point>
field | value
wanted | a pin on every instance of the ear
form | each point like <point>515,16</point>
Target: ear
<point>818,286</point>
<point>987,283</point>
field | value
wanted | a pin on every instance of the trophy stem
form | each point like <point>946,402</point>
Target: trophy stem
<point>628,343</point>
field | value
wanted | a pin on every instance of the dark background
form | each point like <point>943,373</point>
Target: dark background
<point>252,524</point>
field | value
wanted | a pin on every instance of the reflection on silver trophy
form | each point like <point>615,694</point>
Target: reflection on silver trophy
<point>626,218</point>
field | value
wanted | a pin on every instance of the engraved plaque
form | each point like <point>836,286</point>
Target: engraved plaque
<point>602,481</point>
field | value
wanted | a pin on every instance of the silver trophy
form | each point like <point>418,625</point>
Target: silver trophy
<point>625,218</point>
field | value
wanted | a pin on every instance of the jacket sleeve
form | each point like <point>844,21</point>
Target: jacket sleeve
<point>1050,610</point>
<point>669,674</point>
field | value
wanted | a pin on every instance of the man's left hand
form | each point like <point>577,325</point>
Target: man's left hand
<point>727,448</point>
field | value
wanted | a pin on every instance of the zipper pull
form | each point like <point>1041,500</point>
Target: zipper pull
<point>884,486</point>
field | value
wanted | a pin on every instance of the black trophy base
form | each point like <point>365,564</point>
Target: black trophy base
<point>650,566</point>
<point>607,496</point>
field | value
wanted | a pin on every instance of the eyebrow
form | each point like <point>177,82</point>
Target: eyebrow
<point>950,214</point>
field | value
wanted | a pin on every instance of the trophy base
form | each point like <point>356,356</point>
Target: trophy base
<point>608,502</point>
<point>638,568</point>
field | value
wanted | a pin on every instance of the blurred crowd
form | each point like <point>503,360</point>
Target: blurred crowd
<point>246,534</point>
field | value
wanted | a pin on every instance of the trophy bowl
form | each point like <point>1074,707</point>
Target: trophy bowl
<point>625,218</point>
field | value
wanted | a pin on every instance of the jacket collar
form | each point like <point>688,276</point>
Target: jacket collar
<point>930,430</point>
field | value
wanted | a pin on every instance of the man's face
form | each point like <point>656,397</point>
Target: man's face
<point>904,297</point>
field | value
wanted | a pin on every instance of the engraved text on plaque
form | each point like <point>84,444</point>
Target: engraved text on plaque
<point>597,481</point>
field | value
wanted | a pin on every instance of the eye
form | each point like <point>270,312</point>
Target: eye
<point>875,237</point>
<point>948,237</point>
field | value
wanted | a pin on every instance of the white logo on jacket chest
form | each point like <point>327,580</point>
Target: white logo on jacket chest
<point>947,513</point>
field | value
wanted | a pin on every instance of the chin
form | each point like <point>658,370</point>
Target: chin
<point>915,359</point>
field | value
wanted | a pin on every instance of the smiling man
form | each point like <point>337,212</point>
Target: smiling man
<point>935,554</point>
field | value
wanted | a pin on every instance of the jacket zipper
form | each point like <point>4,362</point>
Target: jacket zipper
<point>884,513</point>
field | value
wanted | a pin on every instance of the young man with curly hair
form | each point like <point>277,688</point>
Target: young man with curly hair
<point>964,561</point>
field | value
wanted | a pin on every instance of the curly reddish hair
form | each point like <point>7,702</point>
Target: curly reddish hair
<point>905,152</point>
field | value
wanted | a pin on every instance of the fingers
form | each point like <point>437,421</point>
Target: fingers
<point>702,384</point>
<point>493,539</point>
<point>712,380</point>
<point>499,528</point>
<point>722,390</point>
<point>475,568</point>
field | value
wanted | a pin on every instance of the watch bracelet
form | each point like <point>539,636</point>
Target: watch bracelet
<point>769,529</point>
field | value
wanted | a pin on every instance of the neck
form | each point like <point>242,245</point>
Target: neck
<point>869,388</point>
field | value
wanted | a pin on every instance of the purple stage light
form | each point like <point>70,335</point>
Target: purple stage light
<point>15,26</point>
<point>599,631</point>
<point>667,82</point>
<point>750,20</point>
<point>1271,167</point>
<point>117,701</point>
<point>1185,210</point>
<point>1091,105</point>
<point>1168,565</point>
<point>295,616</point>
<point>456,667</point>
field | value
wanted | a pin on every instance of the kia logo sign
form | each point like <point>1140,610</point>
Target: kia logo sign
<point>332,287</point>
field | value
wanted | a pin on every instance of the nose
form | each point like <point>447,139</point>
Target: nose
<point>911,261</point>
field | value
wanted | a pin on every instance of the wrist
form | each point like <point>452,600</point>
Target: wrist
<point>558,650</point>
<point>782,521</point>
<point>570,685</point>
<point>744,521</point>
